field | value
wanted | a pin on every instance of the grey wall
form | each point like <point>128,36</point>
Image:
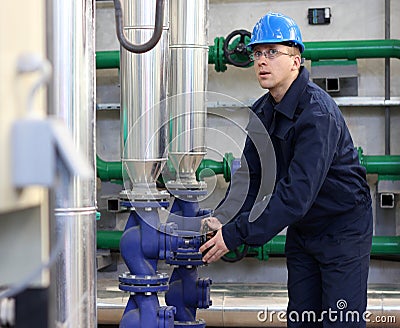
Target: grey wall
<point>351,20</point>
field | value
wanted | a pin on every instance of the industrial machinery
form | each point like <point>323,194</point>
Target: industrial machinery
<point>170,218</point>
<point>163,133</point>
<point>154,128</point>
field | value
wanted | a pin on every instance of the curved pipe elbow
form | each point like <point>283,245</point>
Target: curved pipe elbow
<point>132,253</point>
<point>158,27</point>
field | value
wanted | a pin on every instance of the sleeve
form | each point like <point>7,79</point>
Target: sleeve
<point>315,141</point>
<point>244,186</point>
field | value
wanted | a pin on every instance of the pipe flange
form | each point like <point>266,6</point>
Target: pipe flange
<point>176,186</point>
<point>143,283</point>
<point>133,196</point>
<point>189,261</point>
<point>134,279</point>
<point>145,204</point>
<point>187,193</point>
<point>143,289</point>
<point>193,324</point>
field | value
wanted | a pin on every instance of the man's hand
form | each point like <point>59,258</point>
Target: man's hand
<point>210,224</point>
<point>216,248</point>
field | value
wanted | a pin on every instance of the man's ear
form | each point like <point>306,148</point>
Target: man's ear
<point>297,62</point>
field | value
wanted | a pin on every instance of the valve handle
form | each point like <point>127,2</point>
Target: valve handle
<point>240,48</point>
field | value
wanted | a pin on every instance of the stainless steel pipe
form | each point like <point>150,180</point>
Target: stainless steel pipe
<point>143,92</point>
<point>187,84</point>
<point>258,305</point>
<point>71,50</point>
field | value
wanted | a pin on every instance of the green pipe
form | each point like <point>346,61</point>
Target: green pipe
<point>107,59</point>
<point>380,164</point>
<point>108,239</point>
<point>352,49</point>
<point>374,164</point>
<point>315,50</point>
<point>385,245</point>
<point>384,164</point>
<point>215,167</point>
<point>381,245</point>
<point>108,171</point>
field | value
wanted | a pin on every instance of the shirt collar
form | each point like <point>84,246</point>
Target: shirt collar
<point>290,100</point>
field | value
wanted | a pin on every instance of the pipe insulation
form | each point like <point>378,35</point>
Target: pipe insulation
<point>71,96</point>
<point>143,93</point>
<point>187,86</point>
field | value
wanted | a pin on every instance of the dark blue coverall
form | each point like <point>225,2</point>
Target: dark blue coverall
<point>320,193</point>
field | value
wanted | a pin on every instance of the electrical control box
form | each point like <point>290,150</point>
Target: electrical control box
<point>319,16</point>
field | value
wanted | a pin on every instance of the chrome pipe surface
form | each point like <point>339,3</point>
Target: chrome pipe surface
<point>74,273</point>
<point>143,93</point>
<point>72,90</point>
<point>189,22</point>
<point>71,96</point>
<point>188,82</point>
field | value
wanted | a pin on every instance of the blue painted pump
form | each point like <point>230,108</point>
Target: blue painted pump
<point>144,242</point>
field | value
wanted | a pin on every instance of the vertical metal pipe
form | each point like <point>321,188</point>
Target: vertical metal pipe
<point>71,26</point>
<point>187,84</point>
<point>387,80</point>
<point>143,91</point>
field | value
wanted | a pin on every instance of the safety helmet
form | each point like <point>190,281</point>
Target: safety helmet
<point>276,28</point>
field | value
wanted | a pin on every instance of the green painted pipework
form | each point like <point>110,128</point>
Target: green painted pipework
<point>316,50</point>
<point>385,245</point>
<point>352,49</point>
<point>381,245</point>
<point>108,239</point>
<point>216,167</point>
<point>108,171</point>
<point>380,164</point>
<point>107,59</point>
<point>388,165</point>
<point>112,171</point>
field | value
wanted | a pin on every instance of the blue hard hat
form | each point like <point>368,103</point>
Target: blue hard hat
<point>276,28</point>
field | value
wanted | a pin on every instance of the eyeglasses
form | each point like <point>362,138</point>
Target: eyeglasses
<point>270,54</point>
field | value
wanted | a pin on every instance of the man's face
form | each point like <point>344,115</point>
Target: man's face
<point>274,71</point>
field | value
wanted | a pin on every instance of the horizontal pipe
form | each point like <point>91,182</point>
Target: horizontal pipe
<point>255,305</point>
<point>108,239</point>
<point>381,245</point>
<point>108,171</point>
<point>382,164</point>
<point>315,50</point>
<point>374,164</point>
<point>352,49</point>
<point>107,59</point>
<point>385,245</point>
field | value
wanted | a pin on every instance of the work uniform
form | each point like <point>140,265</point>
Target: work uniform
<point>320,194</point>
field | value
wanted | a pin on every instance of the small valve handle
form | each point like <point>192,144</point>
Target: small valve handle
<point>239,49</point>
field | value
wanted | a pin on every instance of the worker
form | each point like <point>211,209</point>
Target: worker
<point>320,192</point>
